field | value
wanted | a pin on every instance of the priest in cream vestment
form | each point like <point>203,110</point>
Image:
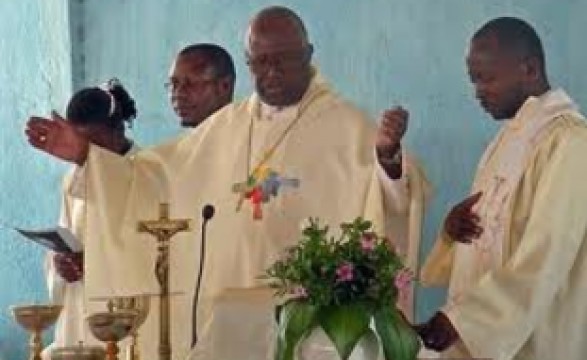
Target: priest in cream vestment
<point>320,147</point>
<point>514,254</point>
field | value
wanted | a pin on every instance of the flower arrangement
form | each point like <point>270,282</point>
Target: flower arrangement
<point>343,285</point>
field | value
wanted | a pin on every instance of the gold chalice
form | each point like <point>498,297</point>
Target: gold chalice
<point>111,327</point>
<point>35,319</point>
<point>141,305</point>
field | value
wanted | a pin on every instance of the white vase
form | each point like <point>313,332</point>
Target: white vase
<point>318,346</point>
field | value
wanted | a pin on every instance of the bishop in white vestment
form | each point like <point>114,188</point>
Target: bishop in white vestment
<point>294,130</point>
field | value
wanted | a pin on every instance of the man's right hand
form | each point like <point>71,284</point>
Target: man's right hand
<point>58,138</point>
<point>462,223</point>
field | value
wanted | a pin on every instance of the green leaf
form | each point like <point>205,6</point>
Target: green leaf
<point>398,340</point>
<point>296,320</point>
<point>345,325</point>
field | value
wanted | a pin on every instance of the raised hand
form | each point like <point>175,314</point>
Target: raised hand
<point>462,223</point>
<point>392,127</point>
<point>69,266</point>
<point>58,138</point>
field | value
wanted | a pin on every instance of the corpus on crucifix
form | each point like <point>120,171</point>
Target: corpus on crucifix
<point>163,229</point>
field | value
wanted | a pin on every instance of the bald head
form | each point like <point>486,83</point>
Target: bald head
<point>279,56</point>
<point>279,22</point>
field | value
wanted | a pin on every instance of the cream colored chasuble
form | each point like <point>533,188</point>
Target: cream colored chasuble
<point>515,292</point>
<point>329,150</point>
<point>71,327</point>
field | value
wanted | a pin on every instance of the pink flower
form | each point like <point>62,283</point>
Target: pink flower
<point>368,242</point>
<point>345,272</point>
<point>300,292</point>
<point>403,279</point>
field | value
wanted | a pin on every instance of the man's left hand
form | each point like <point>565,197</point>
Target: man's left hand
<point>438,333</point>
<point>393,126</point>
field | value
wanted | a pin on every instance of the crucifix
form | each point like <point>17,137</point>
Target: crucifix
<point>163,229</point>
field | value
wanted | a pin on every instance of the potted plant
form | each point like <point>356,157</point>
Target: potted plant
<point>348,285</point>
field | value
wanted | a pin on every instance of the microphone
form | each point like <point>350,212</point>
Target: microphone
<point>207,214</point>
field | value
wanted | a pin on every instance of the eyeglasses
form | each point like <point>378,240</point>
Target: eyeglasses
<point>283,61</point>
<point>187,84</point>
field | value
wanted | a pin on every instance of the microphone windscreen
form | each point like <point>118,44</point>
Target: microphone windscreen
<point>208,212</point>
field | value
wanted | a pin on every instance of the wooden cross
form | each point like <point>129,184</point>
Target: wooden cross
<point>163,229</point>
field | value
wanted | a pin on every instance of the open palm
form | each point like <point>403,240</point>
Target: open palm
<point>58,138</point>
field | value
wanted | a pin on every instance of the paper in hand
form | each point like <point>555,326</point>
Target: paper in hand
<point>58,239</point>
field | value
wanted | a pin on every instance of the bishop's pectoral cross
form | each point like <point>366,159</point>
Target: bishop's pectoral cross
<point>163,229</point>
<point>260,186</point>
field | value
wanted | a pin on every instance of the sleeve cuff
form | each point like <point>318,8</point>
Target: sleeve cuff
<point>396,190</point>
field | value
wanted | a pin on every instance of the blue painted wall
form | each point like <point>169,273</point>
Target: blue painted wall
<point>377,52</point>
<point>34,77</point>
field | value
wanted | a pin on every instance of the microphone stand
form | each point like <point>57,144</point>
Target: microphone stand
<point>207,214</point>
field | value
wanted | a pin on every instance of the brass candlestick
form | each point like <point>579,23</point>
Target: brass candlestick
<point>35,319</point>
<point>163,230</point>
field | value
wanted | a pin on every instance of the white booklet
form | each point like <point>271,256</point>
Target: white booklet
<point>58,239</point>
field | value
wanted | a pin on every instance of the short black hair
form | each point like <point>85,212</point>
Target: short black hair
<point>216,56</point>
<point>109,105</point>
<point>514,35</point>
